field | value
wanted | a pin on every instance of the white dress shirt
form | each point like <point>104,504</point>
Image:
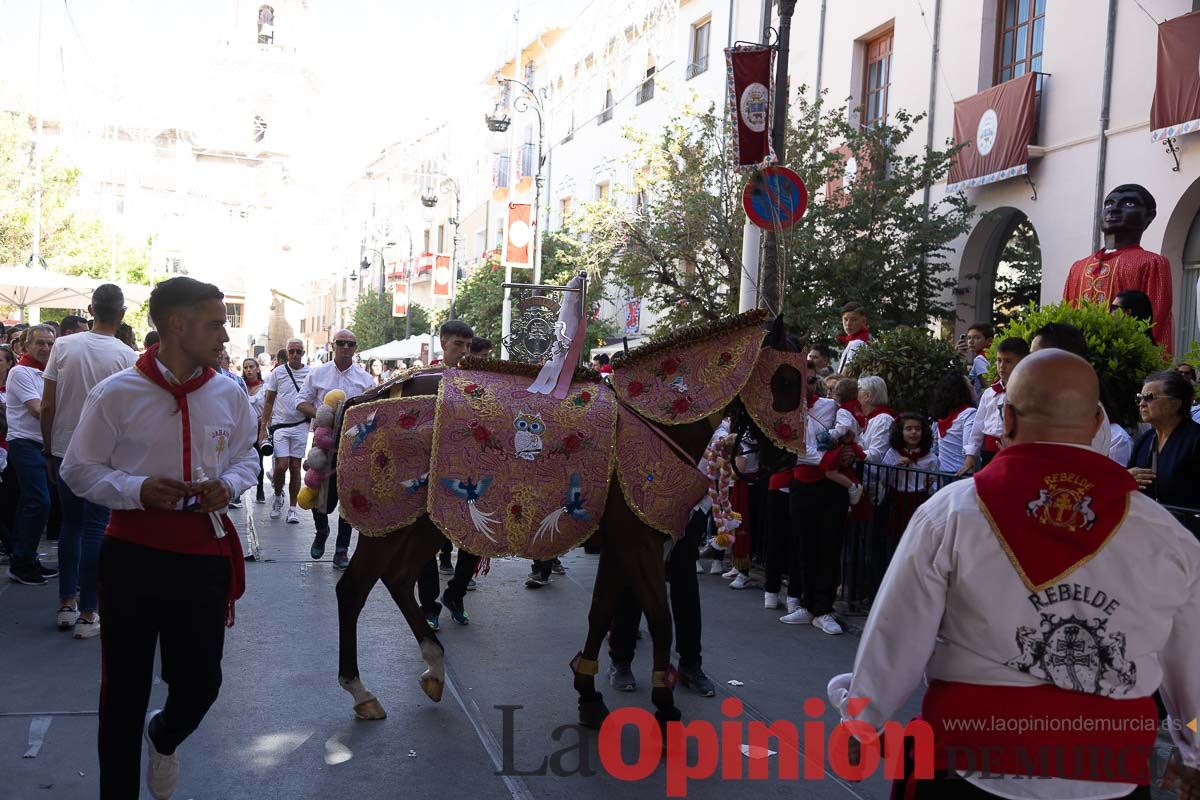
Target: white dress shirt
<point>353,380</point>
<point>949,448</point>
<point>131,430</point>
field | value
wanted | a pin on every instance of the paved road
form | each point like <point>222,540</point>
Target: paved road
<point>283,729</point>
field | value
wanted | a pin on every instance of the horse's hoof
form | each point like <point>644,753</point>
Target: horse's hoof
<point>433,687</point>
<point>369,709</point>
<point>592,712</point>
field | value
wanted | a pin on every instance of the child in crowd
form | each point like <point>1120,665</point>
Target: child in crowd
<point>911,445</point>
<point>984,440</point>
<point>848,424</point>
<point>974,346</point>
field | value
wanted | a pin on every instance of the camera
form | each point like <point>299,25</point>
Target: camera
<point>265,447</point>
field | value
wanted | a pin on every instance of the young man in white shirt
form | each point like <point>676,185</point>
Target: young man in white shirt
<point>984,441</point>
<point>77,363</point>
<point>340,373</point>
<point>973,346</point>
<point>287,427</point>
<point>854,323</point>
<point>165,445</point>
<point>1011,593</point>
<point>23,400</point>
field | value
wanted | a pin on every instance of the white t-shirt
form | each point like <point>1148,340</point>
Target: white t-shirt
<point>24,383</point>
<point>287,394</point>
<point>77,363</point>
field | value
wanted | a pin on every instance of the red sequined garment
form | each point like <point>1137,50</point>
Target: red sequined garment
<point>1103,275</point>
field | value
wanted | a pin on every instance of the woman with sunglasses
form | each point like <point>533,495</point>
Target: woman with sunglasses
<point>1166,458</point>
<point>252,375</point>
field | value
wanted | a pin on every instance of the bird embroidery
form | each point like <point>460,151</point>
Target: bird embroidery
<point>361,431</point>
<point>572,506</point>
<point>414,485</point>
<point>472,491</point>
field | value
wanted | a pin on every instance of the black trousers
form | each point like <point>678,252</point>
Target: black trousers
<point>153,598</point>
<point>344,529</point>
<point>10,498</point>
<point>819,519</point>
<point>783,554</point>
<point>428,583</point>
<point>685,602</point>
<point>951,787</point>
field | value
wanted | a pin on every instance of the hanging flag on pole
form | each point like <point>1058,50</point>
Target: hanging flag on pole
<point>749,84</point>
<point>443,276</point>
<point>633,315</point>
<point>518,239</point>
<point>400,301</point>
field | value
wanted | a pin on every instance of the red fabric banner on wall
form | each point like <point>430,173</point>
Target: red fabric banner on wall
<point>1176,105</point>
<point>997,125</point>
<point>442,276</point>
<point>749,85</point>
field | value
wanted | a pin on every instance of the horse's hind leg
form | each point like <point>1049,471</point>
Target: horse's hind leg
<point>610,582</point>
<point>400,577</point>
<point>648,577</point>
<point>370,559</point>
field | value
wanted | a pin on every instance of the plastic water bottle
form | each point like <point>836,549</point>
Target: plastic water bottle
<point>194,501</point>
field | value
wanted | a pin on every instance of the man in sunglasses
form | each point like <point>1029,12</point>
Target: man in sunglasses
<point>287,427</point>
<point>340,373</point>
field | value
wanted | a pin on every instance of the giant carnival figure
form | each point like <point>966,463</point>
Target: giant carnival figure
<point>506,462</point>
<point>1122,263</point>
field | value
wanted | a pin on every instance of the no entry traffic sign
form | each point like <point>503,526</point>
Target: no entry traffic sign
<point>777,200</point>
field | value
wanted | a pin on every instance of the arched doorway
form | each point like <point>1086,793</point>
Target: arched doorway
<point>1181,245</point>
<point>1001,268</point>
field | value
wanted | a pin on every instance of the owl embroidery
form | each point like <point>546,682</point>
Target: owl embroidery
<point>528,439</point>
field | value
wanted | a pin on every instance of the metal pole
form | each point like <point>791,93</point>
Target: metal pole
<point>36,258</point>
<point>454,250</point>
<point>748,289</point>
<point>1102,147</point>
<point>408,286</point>
<point>537,196</point>
<point>770,291</point>
<point>506,312</point>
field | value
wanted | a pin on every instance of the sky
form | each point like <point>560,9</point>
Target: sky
<point>385,68</point>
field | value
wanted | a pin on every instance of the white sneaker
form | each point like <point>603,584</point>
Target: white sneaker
<point>277,507</point>
<point>740,582</point>
<point>801,616</point>
<point>293,516</point>
<point>856,493</point>
<point>85,629</point>
<point>770,599</point>
<point>715,566</point>
<point>828,624</point>
<point>733,573</point>
<point>162,772</point>
<point>792,603</point>
<point>67,617</point>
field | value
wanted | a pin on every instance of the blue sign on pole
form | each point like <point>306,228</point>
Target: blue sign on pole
<point>775,199</point>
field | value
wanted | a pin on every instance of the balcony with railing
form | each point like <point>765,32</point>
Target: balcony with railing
<point>526,160</point>
<point>501,172</point>
<point>645,92</point>
<point>696,67</point>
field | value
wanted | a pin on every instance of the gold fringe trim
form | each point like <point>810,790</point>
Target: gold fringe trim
<point>694,334</point>
<point>521,369</point>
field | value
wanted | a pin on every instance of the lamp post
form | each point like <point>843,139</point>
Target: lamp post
<point>770,291</point>
<point>365,264</point>
<point>498,122</point>
<point>429,200</point>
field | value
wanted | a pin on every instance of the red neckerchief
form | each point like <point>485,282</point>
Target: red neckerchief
<point>998,387</point>
<point>945,422</point>
<point>862,336</point>
<point>881,410</point>
<point>915,455</point>
<point>147,364</point>
<point>855,409</point>
<point>27,360</point>
<point>811,399</point>
<point>252,384</point>
<point>1052,506</point>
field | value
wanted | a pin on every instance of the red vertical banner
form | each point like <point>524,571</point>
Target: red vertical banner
<point>518,236</point>
<point>400,301</point>
<point>749,85</point>
<point>443,276</point>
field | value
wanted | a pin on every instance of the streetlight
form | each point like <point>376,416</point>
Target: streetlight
<point>498,122</point>
<point>365,265</point>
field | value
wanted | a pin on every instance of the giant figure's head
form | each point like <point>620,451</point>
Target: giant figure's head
<point>1128,209</point>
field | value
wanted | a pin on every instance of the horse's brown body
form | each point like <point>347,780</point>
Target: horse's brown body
<point>631,559</point>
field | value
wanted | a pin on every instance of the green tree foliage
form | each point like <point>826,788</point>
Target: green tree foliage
<point>1019,275</point>
<point>373,323</point>
<point>674,237</point>
<point>1119,347</point>
<point>870,237</point>
<point>910,361</point>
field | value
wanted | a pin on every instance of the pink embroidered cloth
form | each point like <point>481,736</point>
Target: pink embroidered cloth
<point>515,473</point>
<point>658,484</point>
<point>383,463</point>
<point>778,373</point>
<point>688,382</point>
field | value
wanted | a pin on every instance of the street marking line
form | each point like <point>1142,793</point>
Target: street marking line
<point>516,787</point>
<point>48,713</point>
<point>37,735</point>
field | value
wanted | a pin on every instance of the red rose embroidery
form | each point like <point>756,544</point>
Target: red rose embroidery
<point>585,396</point>
<point>680,404</point>
<point>725,358</point>
<point>670,366</point>
<point>359,502</point>
<point>516,510</point>
<point>381,460</point>
<point>471,388</point>
<point>784,431</point>
<point>636,388</point>
<point>407,421</point>
<point>482,434</point>
<point>573,443</point>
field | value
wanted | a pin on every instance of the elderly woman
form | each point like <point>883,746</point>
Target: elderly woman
<point>1166,458</point>
<point>873,397</point>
